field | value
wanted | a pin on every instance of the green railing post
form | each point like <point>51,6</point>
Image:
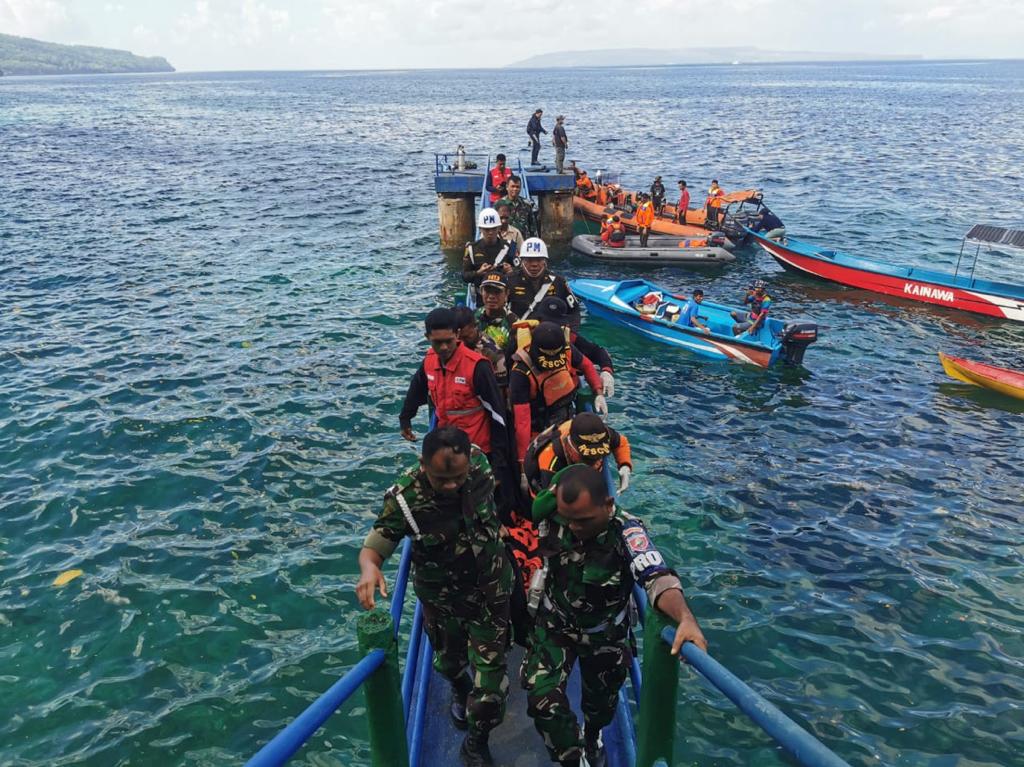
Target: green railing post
<point>375,630</point>
<point>657,726</point>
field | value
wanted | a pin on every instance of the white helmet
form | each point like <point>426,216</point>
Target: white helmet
<point>488,219</point>
<point>534,248</point>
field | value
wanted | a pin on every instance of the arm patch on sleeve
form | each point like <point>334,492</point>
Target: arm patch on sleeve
<point>645,561</point>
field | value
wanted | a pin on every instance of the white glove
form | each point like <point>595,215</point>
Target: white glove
<point>524,485</point>
<point>608,381</point>
<point>601,406</point>
<point>624,472</point>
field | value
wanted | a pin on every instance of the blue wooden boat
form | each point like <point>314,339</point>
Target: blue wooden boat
<point>775,340</point>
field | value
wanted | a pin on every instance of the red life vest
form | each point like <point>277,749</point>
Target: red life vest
<point>451,390</point>
<point>499,177</point>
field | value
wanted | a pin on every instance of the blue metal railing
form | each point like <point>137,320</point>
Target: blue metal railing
<point>299,730</point>
<point>807,749</point>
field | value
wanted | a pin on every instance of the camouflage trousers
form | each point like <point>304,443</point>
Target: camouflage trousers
<point>604,661</point>
<point>480,641</point>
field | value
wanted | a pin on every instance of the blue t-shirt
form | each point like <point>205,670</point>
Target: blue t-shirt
<point>690,310</point>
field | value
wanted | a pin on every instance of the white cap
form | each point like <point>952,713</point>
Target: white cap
<point>488,219</point>
<point>534,248</point>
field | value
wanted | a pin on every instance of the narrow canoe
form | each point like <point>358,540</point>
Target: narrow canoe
<point>1002,380</point>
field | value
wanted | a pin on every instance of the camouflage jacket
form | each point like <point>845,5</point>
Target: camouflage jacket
<point>521,215</point>
<point>458,557</point>
<point>496,342</point>
<point>589,583</point>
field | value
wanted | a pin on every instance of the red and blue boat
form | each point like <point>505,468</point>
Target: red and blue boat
<point>955,291</point>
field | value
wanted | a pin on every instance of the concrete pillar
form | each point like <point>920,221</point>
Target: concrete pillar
<point>556,216</point>
<point>456,220</point>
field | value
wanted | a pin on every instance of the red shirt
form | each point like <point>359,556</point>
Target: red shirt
<point>684,201</point>
<point>498,177</point>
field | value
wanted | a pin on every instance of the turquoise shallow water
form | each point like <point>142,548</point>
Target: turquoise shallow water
<point>210,290</point>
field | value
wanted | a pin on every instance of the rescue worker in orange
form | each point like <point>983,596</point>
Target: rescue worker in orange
<point>613,232</point>
<point>554,309</point>
<point>643,218</point>
<point>497,178</point>
<point>461,386</point>
<point>544,382</point>
<point>585,439</point>
<point>585,187</point>
<point>713,204</point>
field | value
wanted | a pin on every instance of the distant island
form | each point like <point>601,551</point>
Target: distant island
<point>652,57</point>
<point>25,56</point>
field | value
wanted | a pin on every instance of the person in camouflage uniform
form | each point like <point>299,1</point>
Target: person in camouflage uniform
<point>593,554</point>
<point>521,213</point>
<point>461,574</point>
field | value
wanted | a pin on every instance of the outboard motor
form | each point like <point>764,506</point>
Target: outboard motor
<point>718,240</point>
<point>797,335</point>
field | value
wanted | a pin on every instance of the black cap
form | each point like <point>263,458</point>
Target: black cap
<point>590,436</point>
<point>494,280</point>
<point>549,336</point>
<point>552,309</point>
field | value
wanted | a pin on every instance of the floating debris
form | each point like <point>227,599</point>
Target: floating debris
<point>66,577</point>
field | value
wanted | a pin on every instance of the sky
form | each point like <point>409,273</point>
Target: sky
<point>202,35</point>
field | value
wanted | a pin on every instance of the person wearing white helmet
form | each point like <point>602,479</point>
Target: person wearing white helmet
<point>490,253</point>
<point>531,283</point>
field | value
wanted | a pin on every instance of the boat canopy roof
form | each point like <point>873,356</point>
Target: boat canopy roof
<point>996,235</point>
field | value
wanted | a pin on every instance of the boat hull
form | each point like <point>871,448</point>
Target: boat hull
<point>906,286</point>
<point>592,211</point>
<point>667,251</point>
<point>1002,380</point>
<point>601,301</point>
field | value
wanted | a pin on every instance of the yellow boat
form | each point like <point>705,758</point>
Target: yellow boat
<point>1002,380</point>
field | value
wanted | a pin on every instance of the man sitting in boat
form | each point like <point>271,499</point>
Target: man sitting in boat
<point>554,309</point>
<point>749,322</point>
<point>689,317</point>
<point>461,575</point>
<point>544,382</point>
<point>644,218</point>
<point>770,224</point>
<point>585,439</point>
<point>613,232</point>
<point>532,282</point>
<point>593,555</point>
<point>585,187</point>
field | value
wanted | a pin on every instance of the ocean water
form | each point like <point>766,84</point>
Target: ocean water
<point>210,294</point>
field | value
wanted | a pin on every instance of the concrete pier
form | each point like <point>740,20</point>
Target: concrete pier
<point>556,217</point>
<point>456,218</point>
<point>458,195</point>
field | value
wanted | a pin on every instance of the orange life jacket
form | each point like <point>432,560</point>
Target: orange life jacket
<point>550,390</point>
<point>644,215</point>
<point>451,390</point>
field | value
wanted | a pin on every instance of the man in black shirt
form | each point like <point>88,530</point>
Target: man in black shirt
<point>490,253</point>
<point>533,130</point>
<point>561,142</point>
<point>532,282</point>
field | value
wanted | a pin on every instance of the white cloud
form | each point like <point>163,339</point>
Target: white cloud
<point>35,18</point>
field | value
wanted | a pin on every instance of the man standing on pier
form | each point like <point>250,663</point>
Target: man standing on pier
<point>561,142</point>
<point>533,130</point>
<point>461,575</point>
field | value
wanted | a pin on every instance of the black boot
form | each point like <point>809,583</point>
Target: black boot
<point>593,749</point>
<point>460,691</point>
<point>474,751</point>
